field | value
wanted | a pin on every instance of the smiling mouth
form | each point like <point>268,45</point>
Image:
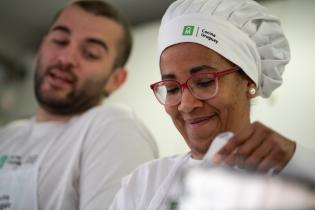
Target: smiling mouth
<point>60,79</point>
<point>199,121</point>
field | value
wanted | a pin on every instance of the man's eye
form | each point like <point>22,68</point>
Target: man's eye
<point>92,52</point>
<point>61,42</point>
<point>91,55</point>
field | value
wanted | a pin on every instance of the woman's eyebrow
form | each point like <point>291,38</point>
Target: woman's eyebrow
<point>197,69</point>
<point>168,76</point>
<point>193,70</point>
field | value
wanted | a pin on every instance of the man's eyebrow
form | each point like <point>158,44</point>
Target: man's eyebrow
<point>65,29</point>
<point>98,42</point>
<point>61,28</point>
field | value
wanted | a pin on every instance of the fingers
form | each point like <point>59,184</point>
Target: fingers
<point>282,152</point>
<point>253,150</point>
<point>269,165</point>
<point>233,145</point>
<point>258,156</point>
<point>257,147</point>
<point>242,145</point>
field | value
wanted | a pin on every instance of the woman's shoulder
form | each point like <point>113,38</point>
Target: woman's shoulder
<point>156,169</point>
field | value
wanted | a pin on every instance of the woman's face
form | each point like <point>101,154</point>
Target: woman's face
<point>199,121</point>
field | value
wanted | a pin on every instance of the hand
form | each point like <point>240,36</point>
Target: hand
<point>258,148</point>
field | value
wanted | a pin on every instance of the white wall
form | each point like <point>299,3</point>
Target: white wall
<point>290,110</point>
<point>143,70</point>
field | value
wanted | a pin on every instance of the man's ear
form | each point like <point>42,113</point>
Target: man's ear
<point>116,80</point>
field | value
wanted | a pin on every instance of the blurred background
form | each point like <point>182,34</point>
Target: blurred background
<point>290,110</point>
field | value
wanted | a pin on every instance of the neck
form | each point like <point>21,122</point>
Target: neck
<point>44,116</point>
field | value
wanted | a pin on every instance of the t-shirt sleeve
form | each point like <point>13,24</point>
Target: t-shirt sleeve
<point>124,198</point>
<point>114,148</point>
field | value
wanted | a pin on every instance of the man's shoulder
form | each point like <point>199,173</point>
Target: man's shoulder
<point>14,131</point>
<point>15,125</point>
<point>117,117</point>
<point>110,112</point>
<point>114,124</point>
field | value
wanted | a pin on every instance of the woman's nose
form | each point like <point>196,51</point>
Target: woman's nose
<point>188,101</point>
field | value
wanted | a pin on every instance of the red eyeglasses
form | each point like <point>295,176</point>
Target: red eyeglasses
<point>202,86</point>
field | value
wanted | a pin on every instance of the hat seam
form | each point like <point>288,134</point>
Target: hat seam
<point>213,11</point>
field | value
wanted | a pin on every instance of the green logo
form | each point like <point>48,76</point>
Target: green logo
<point>188,30</point>
<point>3,158</point>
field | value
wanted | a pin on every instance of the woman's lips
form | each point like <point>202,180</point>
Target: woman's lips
<point>199,121</point>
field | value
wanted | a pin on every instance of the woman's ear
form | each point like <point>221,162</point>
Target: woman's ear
<point>116,80</point>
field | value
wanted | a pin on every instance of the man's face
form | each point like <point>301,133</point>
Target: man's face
<point>199,121</point>
<point>75,61</point>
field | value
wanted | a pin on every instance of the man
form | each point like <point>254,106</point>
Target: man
<point>74,152</point>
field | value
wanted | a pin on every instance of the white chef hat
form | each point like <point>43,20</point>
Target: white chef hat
<point>242,31</point>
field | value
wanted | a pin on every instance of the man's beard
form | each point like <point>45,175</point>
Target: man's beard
<point>76,101</point>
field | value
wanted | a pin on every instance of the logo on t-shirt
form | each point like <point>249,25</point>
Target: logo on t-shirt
<point>16,160</point>
<point>3,159</point>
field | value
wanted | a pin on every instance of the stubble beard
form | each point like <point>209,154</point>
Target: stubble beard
<point>76,101</point>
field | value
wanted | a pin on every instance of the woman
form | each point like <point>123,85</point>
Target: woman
<point>215,56</point>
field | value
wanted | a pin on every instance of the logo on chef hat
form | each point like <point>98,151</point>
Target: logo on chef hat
<point>188,30</point>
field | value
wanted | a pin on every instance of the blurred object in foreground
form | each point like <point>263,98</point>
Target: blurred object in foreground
<point>222,189</point>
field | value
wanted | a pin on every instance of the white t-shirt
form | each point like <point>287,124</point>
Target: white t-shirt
<point>151,185</point>
<point>81,161</point>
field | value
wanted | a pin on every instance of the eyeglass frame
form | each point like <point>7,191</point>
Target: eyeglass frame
<point>216,75</point>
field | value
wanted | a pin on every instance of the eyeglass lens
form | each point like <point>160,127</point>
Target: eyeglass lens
<point>202,86</point>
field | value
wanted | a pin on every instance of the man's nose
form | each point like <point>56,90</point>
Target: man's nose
<point>67,57</point>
